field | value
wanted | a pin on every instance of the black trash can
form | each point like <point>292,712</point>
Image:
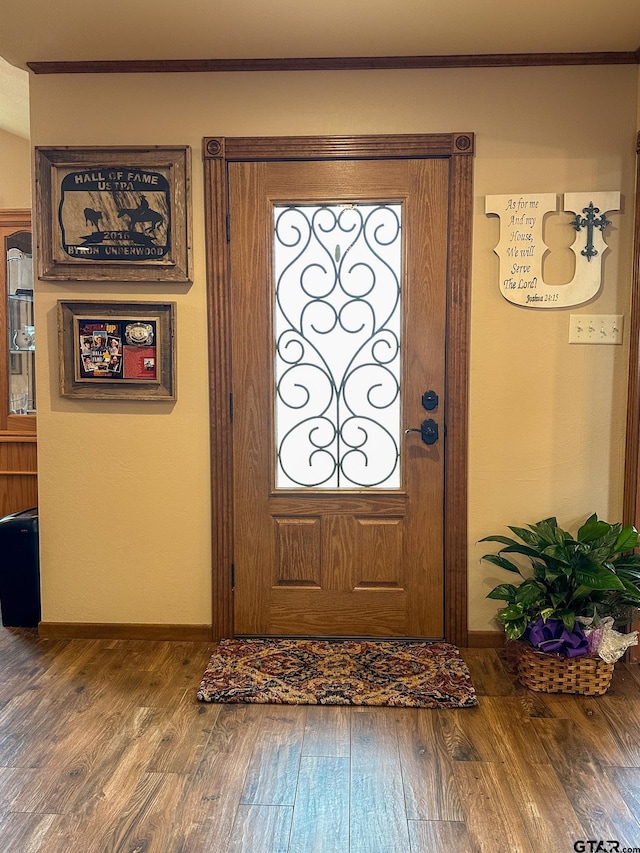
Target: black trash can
<point>20,569</point>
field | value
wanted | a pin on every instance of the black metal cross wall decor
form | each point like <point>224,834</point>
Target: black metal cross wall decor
<point>590,221</point>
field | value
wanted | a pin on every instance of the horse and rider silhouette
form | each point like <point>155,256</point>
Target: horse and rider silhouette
<point>140,215</point>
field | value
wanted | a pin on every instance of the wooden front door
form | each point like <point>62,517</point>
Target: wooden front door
<point>314,556</point>
<point>344,280</point>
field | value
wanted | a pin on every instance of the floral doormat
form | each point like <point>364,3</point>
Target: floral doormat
<point>338,672</point>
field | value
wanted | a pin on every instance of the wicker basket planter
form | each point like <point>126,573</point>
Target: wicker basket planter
<point>553,673</point>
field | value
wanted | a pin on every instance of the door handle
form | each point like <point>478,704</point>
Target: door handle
<point>428,431</point>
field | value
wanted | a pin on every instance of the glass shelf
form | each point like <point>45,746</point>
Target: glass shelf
<point>20,326</point>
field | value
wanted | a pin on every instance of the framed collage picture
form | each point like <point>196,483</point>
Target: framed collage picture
<point>114,214</point>
<point>117,350</point>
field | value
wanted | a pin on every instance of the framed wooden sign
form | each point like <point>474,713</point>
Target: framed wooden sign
<point>113,214</point>
<point>118,350</point>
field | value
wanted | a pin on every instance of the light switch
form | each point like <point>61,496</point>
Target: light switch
<point>595,328</point>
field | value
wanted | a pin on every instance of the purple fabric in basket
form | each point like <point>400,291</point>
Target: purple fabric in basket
<point>552,636</point>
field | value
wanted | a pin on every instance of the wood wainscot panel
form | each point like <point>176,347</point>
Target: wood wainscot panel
<point>18,472</point>
<point>22,423</point>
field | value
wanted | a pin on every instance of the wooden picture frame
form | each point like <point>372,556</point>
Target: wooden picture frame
<point>117,350</point>
<point>113,214</point>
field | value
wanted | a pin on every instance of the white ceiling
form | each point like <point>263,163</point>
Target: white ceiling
<point>68,30</point>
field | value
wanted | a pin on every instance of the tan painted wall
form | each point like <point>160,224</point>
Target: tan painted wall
<point>125,487</point>
<point>15,171</point>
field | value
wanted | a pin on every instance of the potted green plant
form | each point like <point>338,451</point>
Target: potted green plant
<point>573,585</point>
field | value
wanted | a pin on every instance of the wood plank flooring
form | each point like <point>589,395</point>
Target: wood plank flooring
<point>104,749</point>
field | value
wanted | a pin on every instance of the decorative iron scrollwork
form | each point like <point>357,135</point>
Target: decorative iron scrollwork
<point>337,325</point>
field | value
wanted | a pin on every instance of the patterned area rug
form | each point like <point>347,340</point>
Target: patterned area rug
<point>338,672</point>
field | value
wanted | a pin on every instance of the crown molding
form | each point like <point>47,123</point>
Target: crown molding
<point>337,63</point>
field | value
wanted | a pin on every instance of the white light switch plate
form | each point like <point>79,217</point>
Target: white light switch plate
<point>595,328</point>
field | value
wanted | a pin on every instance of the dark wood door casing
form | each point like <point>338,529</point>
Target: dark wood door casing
<point>631,504</point>
<point>217,152</point>
<point>632,451</point>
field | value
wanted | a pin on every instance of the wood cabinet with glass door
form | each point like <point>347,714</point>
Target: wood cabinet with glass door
<point>18,440</point>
